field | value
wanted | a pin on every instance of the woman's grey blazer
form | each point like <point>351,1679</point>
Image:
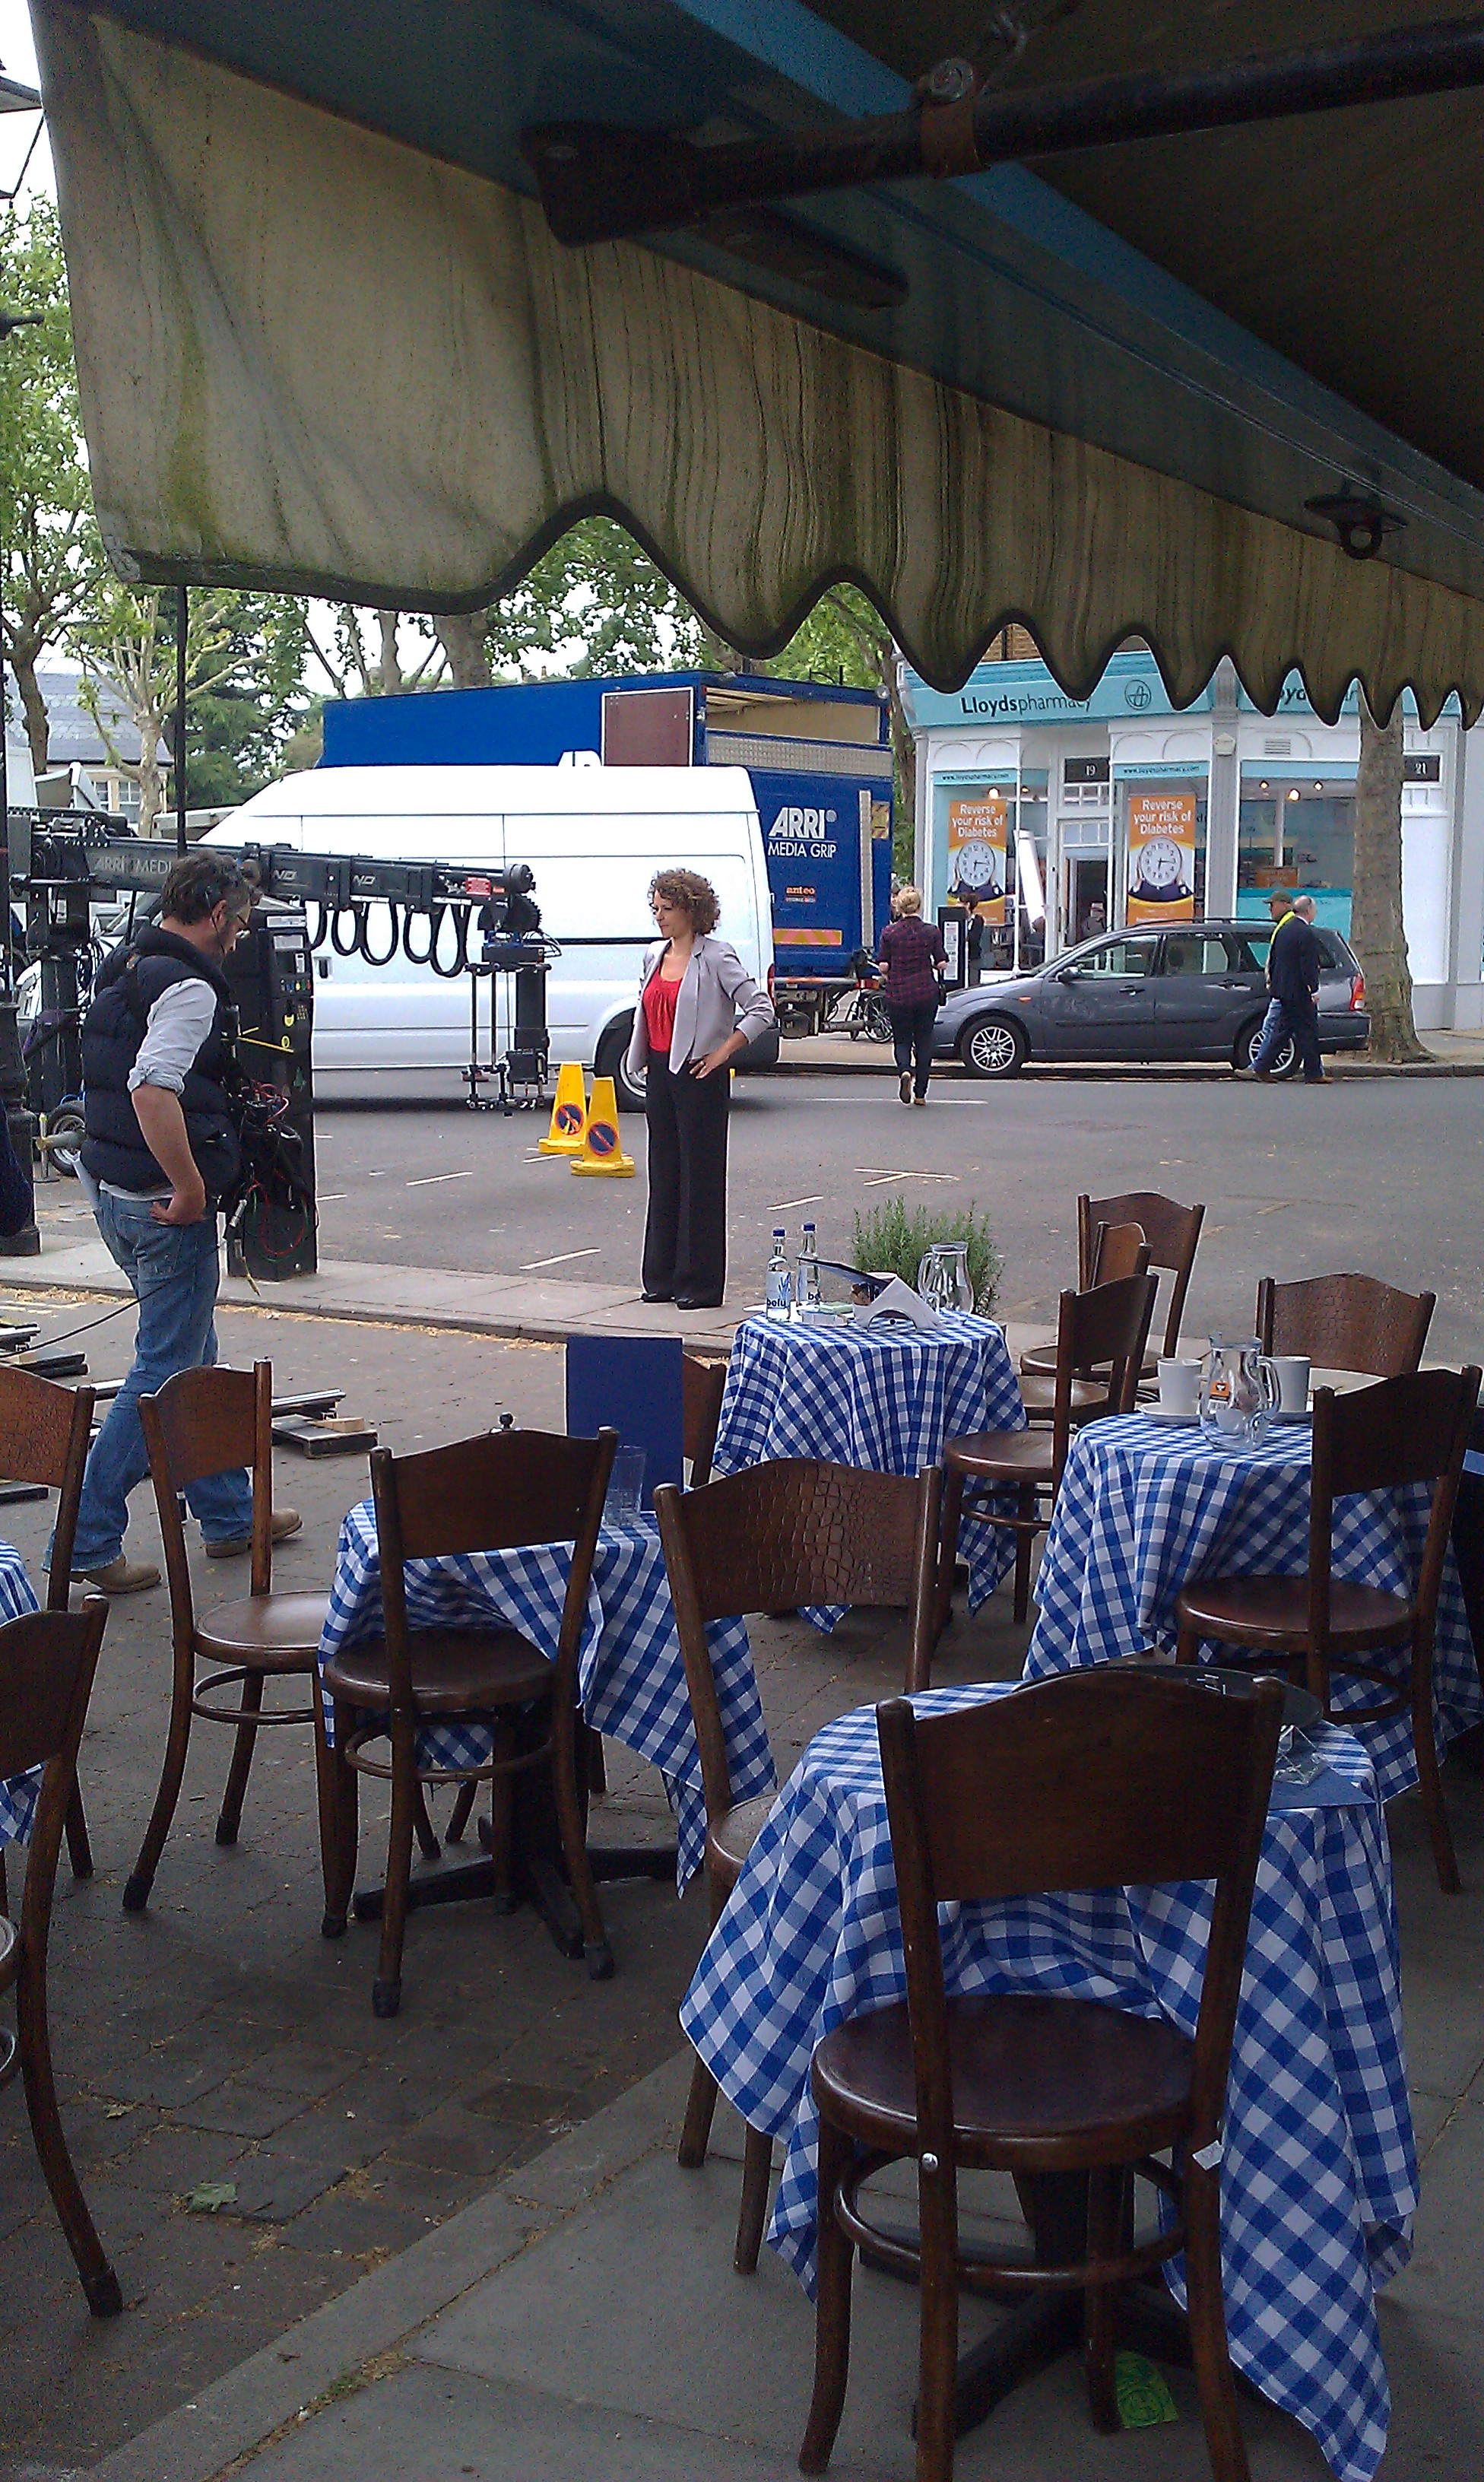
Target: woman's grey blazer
<point>717,997</point>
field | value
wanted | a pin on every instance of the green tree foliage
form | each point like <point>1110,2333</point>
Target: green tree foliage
<point>52,556</point>
<point>845,639</point>
<point>595,600</point>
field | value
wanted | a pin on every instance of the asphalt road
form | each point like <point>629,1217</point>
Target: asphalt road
<point>1383,1175</point>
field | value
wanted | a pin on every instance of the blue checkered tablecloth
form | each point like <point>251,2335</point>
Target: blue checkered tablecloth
<point>886,1402</point>
<point>630,1672</point>
<point>1142,1509</point>
<point>17,1793</point>
<point>1318,2175</point>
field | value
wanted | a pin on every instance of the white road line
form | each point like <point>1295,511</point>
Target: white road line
<point>430,1178</point>
<point>777,1208</point>
<point>530,1266</point>
<point>330,1197</point>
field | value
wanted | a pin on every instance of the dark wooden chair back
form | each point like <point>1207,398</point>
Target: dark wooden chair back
<point>1171,1230</point>
<point>1404,1431</point>
<point>784,1535</point>
<point>206,1422</point>
<point>44,1431</point>
<point>490,1494</point>
<point>1346,1323</point>
<point>703,1384</point>
<point>1095,1778</point>
<point>1105,1328</point>
<point>1118,1249</point>
<point>47,1662</point>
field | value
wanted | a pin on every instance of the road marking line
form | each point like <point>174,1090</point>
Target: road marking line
<point>530,1266</point>
<point>777,1208</point>
<point>429,1178</point>
<point>330,1197</point>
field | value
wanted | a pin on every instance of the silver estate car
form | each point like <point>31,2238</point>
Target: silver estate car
<point>1197,993</point>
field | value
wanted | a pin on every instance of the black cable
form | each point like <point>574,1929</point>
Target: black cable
<point>335,941</point>
<point>366,948</point>
<point>450,973</point>
<point>316,937</point>
<point>44,1343</point>
<point>435,922</point>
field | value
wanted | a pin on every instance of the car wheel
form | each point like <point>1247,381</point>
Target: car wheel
<point>610,1063</point>
<point>992,1047</point>
<point>1247,1042</point>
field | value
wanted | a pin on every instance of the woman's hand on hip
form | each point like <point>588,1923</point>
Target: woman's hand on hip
<point>711,1062</point>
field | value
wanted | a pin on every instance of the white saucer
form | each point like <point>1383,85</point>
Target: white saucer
<point>1171,1421</point>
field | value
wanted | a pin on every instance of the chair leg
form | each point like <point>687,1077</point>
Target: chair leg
<point>244,1744</point>
<point>386,1990</point>
<point>947,1549</point>
<point>335,1785</point>
<point>100,2284</point>
<point>752,2212</point>
<point>1224,2444</point>
<point>427,1843</point>
<point>79,1850</point>
<point>565,1724</point>
<point>1431,1781</point>
<point>177,1741</point>
<point>1025,1510</point>
<point>831,2308</point>
<point>459,1817</point>
<point>1187,1644</point>
<point>1104,2232</point>
<point>502,1817</point>
<point>938,2334</point>
<point>700,2110</point>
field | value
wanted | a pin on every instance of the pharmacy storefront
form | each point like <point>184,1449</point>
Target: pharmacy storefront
<point>1043,819</point>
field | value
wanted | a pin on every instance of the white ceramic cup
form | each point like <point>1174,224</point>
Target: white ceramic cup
<point>1293,1370</point>
<point>1180,1387</point>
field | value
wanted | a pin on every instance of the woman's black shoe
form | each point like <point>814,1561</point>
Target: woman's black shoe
<point>698,1301</point>
<point>665,1296</point>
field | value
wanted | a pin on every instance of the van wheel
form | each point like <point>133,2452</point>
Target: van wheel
<point>610,1063</point>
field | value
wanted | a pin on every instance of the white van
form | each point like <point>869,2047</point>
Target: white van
<point>594,836</point>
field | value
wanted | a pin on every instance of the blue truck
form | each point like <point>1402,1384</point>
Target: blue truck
<point>819,759</point>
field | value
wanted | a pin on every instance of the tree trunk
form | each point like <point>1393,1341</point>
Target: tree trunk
<point>1377,933</point>
<point>462,636</point>
<point>389,670</point>
<point>151,780</point>
<point>903,766</point>
<point>33,707</point>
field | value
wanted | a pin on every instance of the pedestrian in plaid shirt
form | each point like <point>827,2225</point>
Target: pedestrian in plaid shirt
<point>912,956</point>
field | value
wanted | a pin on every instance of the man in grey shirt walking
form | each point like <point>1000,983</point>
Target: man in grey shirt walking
<point>161,1149</point>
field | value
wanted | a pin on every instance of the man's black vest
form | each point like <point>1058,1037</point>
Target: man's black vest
<point>131,981</point>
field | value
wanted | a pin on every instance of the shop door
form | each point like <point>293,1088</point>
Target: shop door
<point>1086,889</point>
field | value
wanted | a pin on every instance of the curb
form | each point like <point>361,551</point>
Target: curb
<point>1189,1071</point>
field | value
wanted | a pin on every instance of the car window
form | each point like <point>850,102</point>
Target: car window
<point>1119,957</point>
<point>1200,953</point>
<point>1251,951</point>
<point>1332,956</point>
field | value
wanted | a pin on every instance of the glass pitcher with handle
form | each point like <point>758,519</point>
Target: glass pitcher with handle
<point>1238,1392</point>
<point>943,1277</point>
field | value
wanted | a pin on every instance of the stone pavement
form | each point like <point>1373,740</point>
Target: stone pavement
<point>581,2320</point>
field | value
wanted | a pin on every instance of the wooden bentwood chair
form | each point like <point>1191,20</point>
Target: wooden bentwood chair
<point>207,1421</point>
<point>44,1434</point>
<point>781,1536</point>
<point>1172,1232</point>
<point>47,1662</point>
<point>491,1494</point>
<point>1119,1249</point>
<point>1109,1324</point>
<point>1403,1431</point>
<point>1346,1323</point>
<point>1094,1780</point>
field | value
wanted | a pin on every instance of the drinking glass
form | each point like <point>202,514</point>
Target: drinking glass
<point>625,1485</point>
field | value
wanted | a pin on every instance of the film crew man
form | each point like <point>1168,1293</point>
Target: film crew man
<point>161,1149</point>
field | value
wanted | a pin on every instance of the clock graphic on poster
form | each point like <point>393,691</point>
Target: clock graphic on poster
<point>1161,873</point>
<point>976,871</point>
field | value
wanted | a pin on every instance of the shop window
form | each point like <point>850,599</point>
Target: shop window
<point>1293,832</point>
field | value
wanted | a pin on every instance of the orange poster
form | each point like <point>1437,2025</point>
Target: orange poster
<point>1162,858</point>
<point>979,842</point>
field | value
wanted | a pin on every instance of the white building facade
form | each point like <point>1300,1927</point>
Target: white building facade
<point>1069,786</point>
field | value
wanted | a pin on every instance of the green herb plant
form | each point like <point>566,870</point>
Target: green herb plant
<point>891,1238</point>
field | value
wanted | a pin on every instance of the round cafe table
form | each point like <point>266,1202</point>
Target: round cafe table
<point>884,1399</point>
<point>1143,1508</point>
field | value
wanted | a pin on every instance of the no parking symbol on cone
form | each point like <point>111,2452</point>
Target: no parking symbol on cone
<point>603,1148</point>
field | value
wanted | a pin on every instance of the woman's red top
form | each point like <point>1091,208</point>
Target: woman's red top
<point>660,997</point>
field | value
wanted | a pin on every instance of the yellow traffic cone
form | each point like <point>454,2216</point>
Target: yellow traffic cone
<point>602,1149</point>
<point>570,1114</point>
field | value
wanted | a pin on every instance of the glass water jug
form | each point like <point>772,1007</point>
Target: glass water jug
<point>1238,1392</point>
<point>943,1277</point>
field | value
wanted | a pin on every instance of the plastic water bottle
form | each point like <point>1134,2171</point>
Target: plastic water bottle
<point>808,1272</point>
<point>780,1286</point>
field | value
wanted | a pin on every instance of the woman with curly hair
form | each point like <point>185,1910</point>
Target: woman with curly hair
<point>698,1008</point>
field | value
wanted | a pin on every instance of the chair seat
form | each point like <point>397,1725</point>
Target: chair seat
<point>1089,1398</point>
<point>271,1632</point>
<point>1275,1611</point>
<point>1039,1360</point>
<point>1001,1456</point>
<point>1035,2080</point>
<point>732,1839</point>
<point>453,1671</point>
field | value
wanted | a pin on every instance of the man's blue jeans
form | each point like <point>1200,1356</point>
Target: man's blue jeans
<point>174,1271</point>
<point>1303,1025</point>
